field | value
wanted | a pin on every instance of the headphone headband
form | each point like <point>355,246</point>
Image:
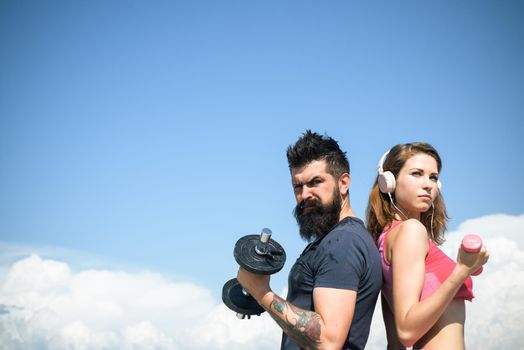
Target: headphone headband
<point>381,162</point>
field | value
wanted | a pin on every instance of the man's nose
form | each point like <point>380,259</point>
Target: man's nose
<point>306,193</point>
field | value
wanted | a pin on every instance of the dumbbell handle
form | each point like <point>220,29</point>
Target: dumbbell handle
<point>239,314</point>
<point>472,244</point>
<point>265,235</point>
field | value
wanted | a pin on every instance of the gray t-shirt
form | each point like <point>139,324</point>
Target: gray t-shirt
<point>346,258</point>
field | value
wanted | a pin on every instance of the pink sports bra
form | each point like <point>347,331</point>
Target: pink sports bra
<point>438,268</point>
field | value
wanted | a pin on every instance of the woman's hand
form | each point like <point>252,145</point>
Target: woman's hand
<point>472,261</point>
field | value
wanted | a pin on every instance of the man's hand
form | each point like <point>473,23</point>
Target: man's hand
<point>256,285</point>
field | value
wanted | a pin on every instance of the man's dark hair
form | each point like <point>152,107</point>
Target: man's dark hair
<point>312,146</point>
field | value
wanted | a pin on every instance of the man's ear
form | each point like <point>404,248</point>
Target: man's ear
<point>343,183</point>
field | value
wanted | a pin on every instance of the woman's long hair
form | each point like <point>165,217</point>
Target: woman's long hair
<point>380,212</point>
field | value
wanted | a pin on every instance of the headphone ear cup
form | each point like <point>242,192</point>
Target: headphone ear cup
<point>386,182</point>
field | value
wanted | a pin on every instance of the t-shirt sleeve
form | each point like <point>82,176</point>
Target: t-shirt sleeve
<point>341,263</point>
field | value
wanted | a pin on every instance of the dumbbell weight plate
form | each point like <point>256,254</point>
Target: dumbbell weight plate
<point>262,264</point>
<point>472,243</point>
<point>236,300</point>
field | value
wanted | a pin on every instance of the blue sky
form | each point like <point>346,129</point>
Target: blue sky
<point>152,135</point>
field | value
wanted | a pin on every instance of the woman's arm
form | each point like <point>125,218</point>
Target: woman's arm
<point>389,323</point>
<point>409,247</point>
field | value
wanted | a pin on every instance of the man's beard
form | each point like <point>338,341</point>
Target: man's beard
<point>318,219</point>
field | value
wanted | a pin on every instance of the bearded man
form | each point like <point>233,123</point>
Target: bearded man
<point>334,284</point>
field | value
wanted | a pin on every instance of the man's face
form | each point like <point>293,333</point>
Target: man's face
<point>318,199</point>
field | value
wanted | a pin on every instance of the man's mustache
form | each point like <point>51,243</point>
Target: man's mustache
<point>308,203</point>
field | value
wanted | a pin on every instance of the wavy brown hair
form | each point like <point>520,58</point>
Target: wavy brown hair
<point>380,213</point>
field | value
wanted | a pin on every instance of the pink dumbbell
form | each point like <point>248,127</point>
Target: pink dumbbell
<point>472,244</point>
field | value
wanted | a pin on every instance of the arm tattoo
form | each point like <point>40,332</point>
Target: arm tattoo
<point>300,325</point>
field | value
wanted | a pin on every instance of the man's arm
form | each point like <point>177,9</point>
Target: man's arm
<point>325,328</point>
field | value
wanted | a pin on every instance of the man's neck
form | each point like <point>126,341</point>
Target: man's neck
<point>346,210</point>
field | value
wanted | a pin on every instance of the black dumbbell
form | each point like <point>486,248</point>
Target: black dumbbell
<point>257,254</point>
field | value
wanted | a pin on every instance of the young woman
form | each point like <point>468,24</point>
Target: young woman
<point>424,290</point>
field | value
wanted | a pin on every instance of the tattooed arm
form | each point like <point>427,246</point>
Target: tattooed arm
<point>325,328</point>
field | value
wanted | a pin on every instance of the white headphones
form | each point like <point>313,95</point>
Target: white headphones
<point>386,179</point>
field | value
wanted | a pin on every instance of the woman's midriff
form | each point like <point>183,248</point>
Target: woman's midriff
<point>448,332</point>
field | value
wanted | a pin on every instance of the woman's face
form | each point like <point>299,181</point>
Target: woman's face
<point>417,185</point>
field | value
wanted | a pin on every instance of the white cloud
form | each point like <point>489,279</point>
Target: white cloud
<point>495,318</point>
<point>44,304</point>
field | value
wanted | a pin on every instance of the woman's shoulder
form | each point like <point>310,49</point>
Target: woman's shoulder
<point>410,231</point>
<point>411,224</point>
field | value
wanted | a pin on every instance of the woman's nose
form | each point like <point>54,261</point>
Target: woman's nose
<point>428,183</point>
